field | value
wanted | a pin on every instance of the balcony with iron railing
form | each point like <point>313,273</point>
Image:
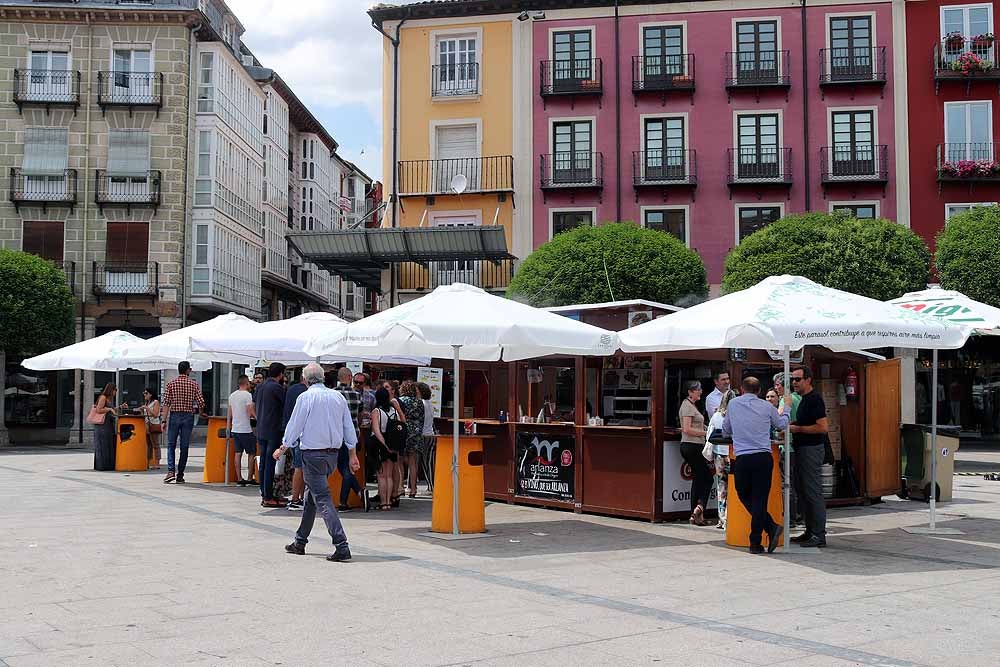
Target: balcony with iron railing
<point>46,88</point>
<point>759,165</point>
<point>968,163</point>
<point>69,268</point>
<point>965,59</point>
<point>861,163</point>
<point>129,191</point>
<point>132,90</point>
<point>43,189</point>
<point>663,74</point>
<point>664,168</point>
<point>491,174</point>
<point>566,171</point>
<point>571,77</point>
<point>454,80</point>
<point>488,275</point>
<point>852,67</point>
<point>757,71</point>
<point>125,279</point>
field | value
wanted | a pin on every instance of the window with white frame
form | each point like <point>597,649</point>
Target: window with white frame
<point>754,218</point>
<point>668,219</point>
<point>50,76</point>
<point>572,156</point>
<point>863,211</point>
<point>853,150</point>
<point>960,27</point>
<point>132,74</point>
<point>664,154</point>
<point>203,182</point>
<point>572,59</point>
<point>46,158</point>
<point>758,146</point>
<point>663,53</point>
<point>206,89</point>
<point>851,54</point>
<point>456,70</point>
<point>201,279</point>
<point>756,52</point>
<point>563,221</point>
<point>951,210</point>
<point>968,131</point>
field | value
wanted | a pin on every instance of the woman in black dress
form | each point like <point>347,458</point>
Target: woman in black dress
<point>104,434</point>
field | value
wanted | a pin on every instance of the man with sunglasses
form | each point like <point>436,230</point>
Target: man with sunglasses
<point>808,437</point>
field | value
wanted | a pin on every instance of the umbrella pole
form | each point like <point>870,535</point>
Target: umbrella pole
<point>787,477</point>
<point>934,422</point>
<point>229,411</point>
<point>456,388</point>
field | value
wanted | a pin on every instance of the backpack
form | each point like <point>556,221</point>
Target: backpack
<point>394,433</point>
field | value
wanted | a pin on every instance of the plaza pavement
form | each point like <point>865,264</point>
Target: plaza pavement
<point>120,569</point>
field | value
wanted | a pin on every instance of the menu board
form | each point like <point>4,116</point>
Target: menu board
<point>545,466</point>
<point>433,378</point>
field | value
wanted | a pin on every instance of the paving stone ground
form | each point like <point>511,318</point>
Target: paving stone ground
<point>120,569</point>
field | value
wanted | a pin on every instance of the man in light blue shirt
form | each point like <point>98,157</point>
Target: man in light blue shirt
<point>749,420</point>
<point>319,426</point>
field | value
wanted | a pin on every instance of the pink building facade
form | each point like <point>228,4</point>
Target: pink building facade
<point>712,128</point>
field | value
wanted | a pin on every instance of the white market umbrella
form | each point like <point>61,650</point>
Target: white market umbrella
<point>948,306</point>
<point>790,312</point>
<point>177,344</point>
<point>286,341</point>
<point>465,322</point>
<point>103,353</point>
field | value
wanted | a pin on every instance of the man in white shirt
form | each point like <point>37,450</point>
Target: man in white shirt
<point>241,410</point>
<point>320,425</point>
<point>714,399</point>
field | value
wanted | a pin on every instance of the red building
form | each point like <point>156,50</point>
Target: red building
<point>953,114</point>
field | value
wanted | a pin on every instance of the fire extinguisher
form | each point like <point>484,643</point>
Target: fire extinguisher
<point>851,383</point>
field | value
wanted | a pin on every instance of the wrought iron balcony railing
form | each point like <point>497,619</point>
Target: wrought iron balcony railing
<point>757,70</point>
<point>970,163</point>
<point>854,164</point>
<point>57,189</point>
<point>671,166</point>
<point>571,77</point>
<point>759,165</point>
<point>130,89</point>
<point>964,59</point>
<point>46,88</point>
<point>438,177</point>
<point>663,73</point>
<point>125,279</point>
<point>852,66</point>
<point>130,191</point>
<point>69,268</point>
<point>455,80</point>
<point>572,170</point>
<point>481,273</point>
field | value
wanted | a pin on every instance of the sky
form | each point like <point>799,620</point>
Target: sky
<point>327,51</point>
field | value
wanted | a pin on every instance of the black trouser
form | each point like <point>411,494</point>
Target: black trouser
<point>701,484</point>
<point>753,484</point>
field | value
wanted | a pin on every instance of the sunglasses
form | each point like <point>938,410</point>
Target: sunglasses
<point>795,379</point>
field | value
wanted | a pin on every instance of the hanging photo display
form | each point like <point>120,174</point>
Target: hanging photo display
<point>545,466</point>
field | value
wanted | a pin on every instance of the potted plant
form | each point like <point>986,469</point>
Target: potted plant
<point>954,40</point>
<point>983,41</point>
<point>969,63</point>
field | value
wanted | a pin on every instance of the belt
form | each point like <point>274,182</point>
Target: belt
<point>327,449</point>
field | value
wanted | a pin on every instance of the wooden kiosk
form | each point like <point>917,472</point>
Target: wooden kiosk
<point>631,466</point>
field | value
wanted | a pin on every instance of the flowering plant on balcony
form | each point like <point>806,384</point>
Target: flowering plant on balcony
<point>954,40</point>
<point>969,62</point>
<point>971,168</point>
<point>983,41</point>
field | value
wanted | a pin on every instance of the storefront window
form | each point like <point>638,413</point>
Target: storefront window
<point>968,387</point>
<point>38,399</point>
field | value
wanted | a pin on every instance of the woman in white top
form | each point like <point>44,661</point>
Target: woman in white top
<point>154,427</point>
<point>721,456</point>
<point>426,448</point>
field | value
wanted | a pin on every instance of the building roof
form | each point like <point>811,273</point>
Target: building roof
<point>298,113</point>
<point>457,8</point>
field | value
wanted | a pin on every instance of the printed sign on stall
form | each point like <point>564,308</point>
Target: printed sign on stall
<point>677,478</point>
<point>433,378</point>
<point>546,466</point>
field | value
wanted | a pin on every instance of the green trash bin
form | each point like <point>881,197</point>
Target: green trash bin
<point>915,449</point>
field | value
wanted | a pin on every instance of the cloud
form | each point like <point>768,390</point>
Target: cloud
<point>330,55</point>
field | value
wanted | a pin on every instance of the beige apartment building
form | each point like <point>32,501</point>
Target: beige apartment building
<point>148,152</point>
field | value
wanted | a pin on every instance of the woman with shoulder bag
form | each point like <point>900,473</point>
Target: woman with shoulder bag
<point>692,442</point>
<point>718,456</point>
<point>154,427</point>
<point>102,417</point>
<point>387,432</point>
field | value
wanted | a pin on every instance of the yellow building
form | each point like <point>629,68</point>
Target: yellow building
<point>454,161</point>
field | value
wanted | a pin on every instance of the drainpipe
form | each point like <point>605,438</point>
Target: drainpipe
<point>618,122</point>
<point>805,107</point>
<point>395,142</point>
<point>85,214</point>
<point>188,197</point>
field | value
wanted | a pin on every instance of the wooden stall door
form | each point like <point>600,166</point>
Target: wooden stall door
<point>882,418</point>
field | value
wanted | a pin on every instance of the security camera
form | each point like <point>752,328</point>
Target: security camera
<point>537,16</point>
<point>523,16</point>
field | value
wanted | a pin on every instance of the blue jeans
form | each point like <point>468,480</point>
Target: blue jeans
<point>265,467</point>
<point>179,424</point>
<point>349,480</point>
<point>317,466</point>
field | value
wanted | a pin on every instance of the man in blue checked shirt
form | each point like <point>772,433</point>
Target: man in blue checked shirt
<point>320,425</point>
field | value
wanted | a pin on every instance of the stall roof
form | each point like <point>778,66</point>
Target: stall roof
<point>630,304</point>
<point>360,255</point>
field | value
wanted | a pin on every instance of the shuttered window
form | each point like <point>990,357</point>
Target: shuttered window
<point>128,244</point>
<point>43,238</point>
<point>128,153</point>
<point>46,151</point>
